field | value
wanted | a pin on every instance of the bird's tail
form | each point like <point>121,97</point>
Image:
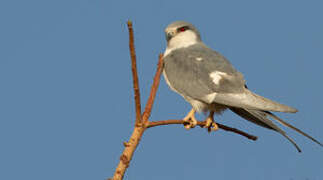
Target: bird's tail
<point>292,127</point>
<point>261,118</point>
<point>249,100</point>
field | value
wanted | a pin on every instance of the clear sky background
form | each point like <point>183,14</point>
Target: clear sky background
<point>66,98</point>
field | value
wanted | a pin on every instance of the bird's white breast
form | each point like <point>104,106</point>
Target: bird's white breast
<point>181,40</point>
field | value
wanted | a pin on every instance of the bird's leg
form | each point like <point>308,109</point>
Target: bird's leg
<point>190,120</point>
<point>210,124</point>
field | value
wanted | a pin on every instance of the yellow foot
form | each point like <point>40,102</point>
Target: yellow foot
<point>190,120</point>
<point>210,124</point>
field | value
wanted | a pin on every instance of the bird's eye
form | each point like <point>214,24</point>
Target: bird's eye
<point>182,29</point>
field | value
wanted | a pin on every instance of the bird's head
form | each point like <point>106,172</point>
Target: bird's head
<point>181,34</point>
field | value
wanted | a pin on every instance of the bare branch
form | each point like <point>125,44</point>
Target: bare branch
<point>134,74</point>
<point>127,153</point>
<point>138,131</point>
<point>201,124</point>
<point>153,91</point>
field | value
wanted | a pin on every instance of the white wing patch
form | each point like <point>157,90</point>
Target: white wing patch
<point>199,59</point>
<point>209,98</point>
<point>216,76</point>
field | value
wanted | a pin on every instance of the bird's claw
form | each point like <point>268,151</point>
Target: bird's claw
<point>210,124</point>
<point>190,123</point>
<point>213,127</point>
<point>190,120</point>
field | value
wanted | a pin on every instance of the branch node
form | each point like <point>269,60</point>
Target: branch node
<point>126,144</point>
<point>124,160</point>
<point>139,124</point>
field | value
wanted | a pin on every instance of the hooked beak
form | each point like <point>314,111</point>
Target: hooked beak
<point>169,35</point>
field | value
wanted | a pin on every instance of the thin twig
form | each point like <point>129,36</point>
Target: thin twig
<point>153,91</point>
<point>134,74</point>
<point>201,124</point>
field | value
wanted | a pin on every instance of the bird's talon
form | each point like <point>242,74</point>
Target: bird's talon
<point>214,127</point>
<point>190,123</point>
<point>188,126</point>
<point>194,122</point>
<point>189,120</point>
<point>208,122</point>
<point>210,125</point>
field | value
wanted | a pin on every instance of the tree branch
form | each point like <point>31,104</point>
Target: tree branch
<point>201,124</point>
<point>153,91</point>
<point>134,74</point>
<point>127,153</point>
<point>140,128</point>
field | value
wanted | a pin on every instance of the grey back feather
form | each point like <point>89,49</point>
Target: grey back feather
<point>191,78</point>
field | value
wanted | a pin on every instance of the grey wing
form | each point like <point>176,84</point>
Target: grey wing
<point>189,72</point>
<point>186,74</point>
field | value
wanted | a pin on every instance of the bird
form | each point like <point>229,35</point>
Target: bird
<point>210,83</point>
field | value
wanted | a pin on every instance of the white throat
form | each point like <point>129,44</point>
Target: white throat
<point>181,40</point>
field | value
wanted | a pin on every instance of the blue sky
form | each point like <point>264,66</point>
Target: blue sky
<point>66,98</point>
